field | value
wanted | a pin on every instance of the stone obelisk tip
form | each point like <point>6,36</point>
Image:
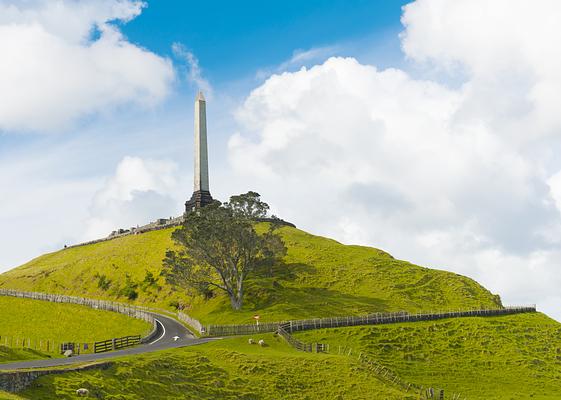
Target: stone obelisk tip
<point>201,194</point>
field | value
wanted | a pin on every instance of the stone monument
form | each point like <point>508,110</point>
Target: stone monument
<point>201,194</point>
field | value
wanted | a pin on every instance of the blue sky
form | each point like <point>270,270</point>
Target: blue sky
<point>234,39</point>
<point>429,130</point>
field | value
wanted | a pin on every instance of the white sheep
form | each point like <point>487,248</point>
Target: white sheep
<point>261,342</point>
<point>251,341</point>
<point>82,392</point>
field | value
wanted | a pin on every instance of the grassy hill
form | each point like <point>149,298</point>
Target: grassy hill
<point>509,357</point>
<point>40,321</point>
<point>228,369</point>
<point>505,358</point>
<point>319,277</point>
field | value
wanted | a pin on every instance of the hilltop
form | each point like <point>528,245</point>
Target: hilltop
<point>319,277</point>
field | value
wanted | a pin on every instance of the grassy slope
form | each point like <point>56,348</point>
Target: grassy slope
<point>228,369</point>
<point>8,354</point>
<point>320,277</point>
<point>9,396</point>
<point>513,357</point>
<point>510,357</point>
<point>37,319</point>
<point>41,321</point>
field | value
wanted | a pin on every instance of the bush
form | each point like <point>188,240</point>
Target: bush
<point>103,282</point>
<point>129,290</point>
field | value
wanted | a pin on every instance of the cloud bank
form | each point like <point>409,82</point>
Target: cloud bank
<point>63,60</point>
<point>462,176</point>
<point>140,191</point>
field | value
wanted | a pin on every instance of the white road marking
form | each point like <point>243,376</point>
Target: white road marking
<point>163,333</point>
<point>175,338</point>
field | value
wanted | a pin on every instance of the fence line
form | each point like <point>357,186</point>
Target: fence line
<point>192,322</point>
<point>370,319</point>
<point>126,309</point>
<point>387,375</point>
<point>41,345</point>
<point>134,311</point>
<point>382,372</point>
<point>298,344</point>
<point>116,343</point>
<point>52,345</point>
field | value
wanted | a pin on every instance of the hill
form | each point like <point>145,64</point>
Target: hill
<point>507,357</point>
<point>319,277</point>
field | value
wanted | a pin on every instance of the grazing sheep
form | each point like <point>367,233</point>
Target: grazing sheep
<point>251,341</point>
<point>261,343</point>
<point>82,392</point>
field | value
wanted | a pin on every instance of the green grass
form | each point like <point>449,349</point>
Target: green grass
<point>8,354</point>
<point>510,357</point>
<point>41,321</point>
<point>319,277</point>
<point>9,396</point>
<point>228,369</point>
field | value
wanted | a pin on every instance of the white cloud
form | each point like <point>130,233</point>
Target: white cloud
<point>194,71</point>
<point>139,192</point>
<point>302,57</point>
<point>464,177</point>
<point>62,60</point>
<point>507,49</point>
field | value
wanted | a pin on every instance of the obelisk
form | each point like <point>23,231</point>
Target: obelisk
<point>201,193</point>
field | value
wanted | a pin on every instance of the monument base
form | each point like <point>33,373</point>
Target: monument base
<point>199,199</point>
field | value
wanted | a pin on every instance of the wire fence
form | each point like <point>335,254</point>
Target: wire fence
<point>387,375</point>
<point>122,308</point>
<point>56,346</point>
<point>192,322</point>
<point>382,372</point>
<point>370,319</point>
<point>49,346</point>
<point>283,332</point>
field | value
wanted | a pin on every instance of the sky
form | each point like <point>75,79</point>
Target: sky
<point>426,128</point>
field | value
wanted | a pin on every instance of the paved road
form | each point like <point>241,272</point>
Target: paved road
<point>168,328</point>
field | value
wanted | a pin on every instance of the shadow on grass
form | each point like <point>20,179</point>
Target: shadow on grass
<point>284,297</point>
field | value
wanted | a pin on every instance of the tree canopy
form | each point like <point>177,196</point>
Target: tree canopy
<point>219,247</point>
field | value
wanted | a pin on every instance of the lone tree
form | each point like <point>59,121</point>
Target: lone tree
<point>219,247</point>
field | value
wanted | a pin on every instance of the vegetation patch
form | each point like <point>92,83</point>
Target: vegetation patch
<point>509,357</point>
<point>38,321</point>
<point>8,354</point>
<point>228,369</point>
<point>9,396</point>
<point>318,277</point>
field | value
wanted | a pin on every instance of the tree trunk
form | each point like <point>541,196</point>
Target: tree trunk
<point>236,297</point>
<point>236,302</point>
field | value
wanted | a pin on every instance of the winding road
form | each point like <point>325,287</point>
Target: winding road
<point>170,334</point>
